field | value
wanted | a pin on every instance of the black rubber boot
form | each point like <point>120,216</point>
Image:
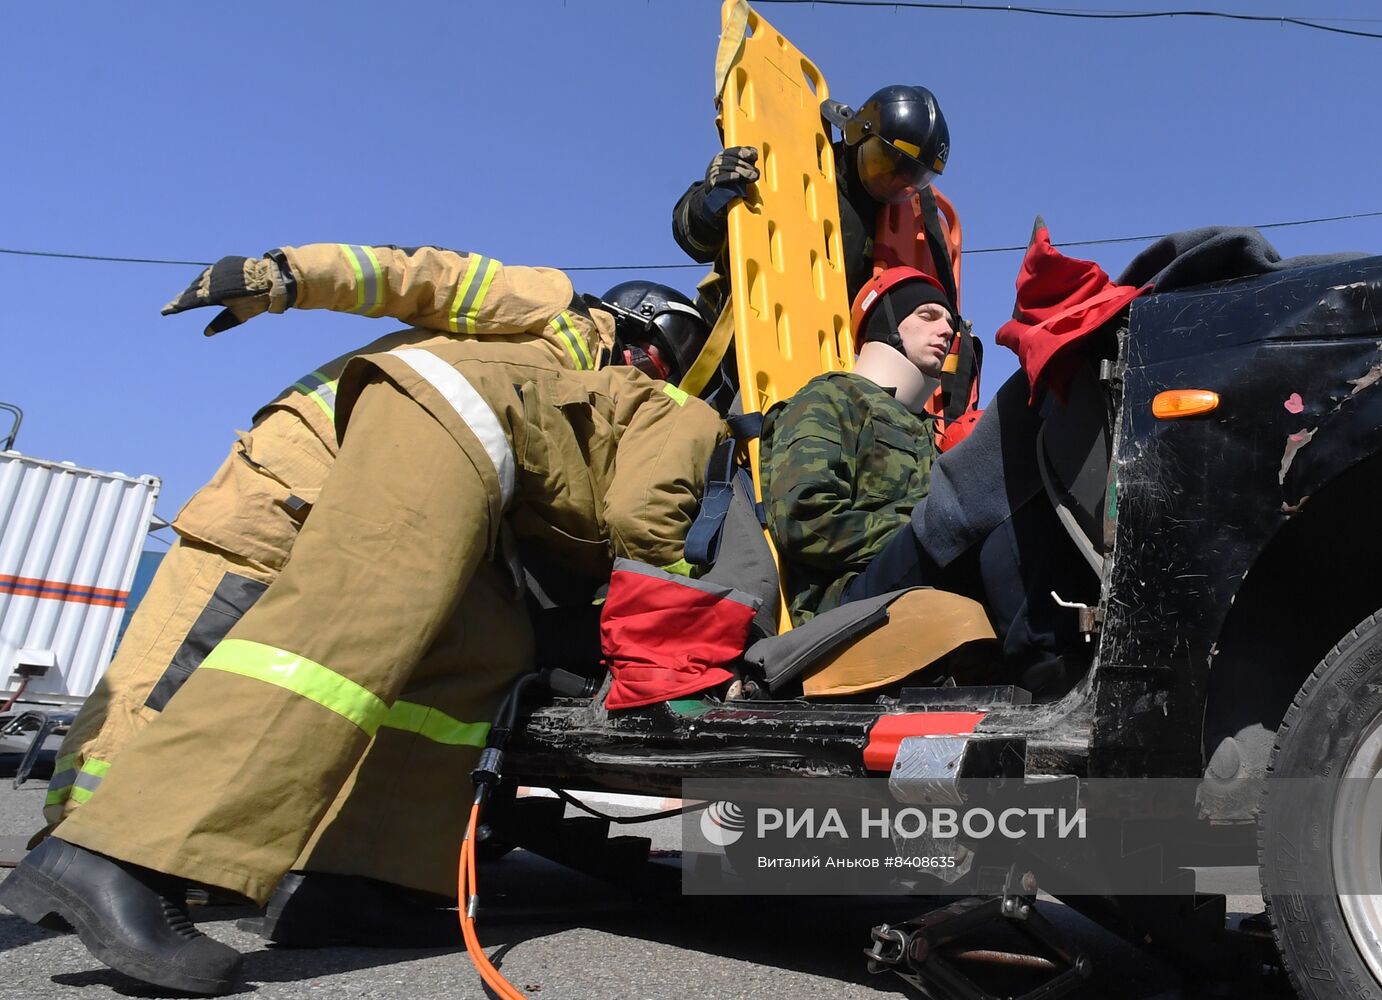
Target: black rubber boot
<point>319,910</point>
<point>132,919</point>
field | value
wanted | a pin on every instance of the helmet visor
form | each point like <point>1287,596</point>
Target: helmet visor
<point>650,341</point>
<point>888,173</point>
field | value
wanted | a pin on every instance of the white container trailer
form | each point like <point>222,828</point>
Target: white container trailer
<point>70,540</point>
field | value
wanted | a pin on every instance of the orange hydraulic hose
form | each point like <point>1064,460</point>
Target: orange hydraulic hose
<point>466,886</point>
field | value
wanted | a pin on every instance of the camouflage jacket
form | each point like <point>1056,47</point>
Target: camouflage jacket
<point>842,464</point>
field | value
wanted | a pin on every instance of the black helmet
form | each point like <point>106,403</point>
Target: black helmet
<point>901,142</point>
<point>656,328</point>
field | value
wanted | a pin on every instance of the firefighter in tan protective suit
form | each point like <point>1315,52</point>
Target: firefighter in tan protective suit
<point>372,664</point>
<point>236,532</point>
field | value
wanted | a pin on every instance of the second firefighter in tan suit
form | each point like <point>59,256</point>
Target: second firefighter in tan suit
<point>444,453</point>
<point>236,532</point>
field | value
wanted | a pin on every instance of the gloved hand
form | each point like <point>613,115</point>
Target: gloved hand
<point>246,286</point>
<point>728,177</point>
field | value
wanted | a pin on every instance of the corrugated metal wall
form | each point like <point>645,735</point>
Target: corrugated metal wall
<point>70,539</point>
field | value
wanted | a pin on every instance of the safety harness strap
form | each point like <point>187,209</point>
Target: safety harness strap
<point>957,377</point>
<point>707,363</point>
<point>723,469</point>
<point>935,241</point>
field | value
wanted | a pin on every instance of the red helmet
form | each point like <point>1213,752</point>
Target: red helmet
<point>881,283</point>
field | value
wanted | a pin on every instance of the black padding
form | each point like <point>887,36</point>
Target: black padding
<point>227,279</point>
<point>745,426</point>
<point>940,250</point>
<point>782,658</point>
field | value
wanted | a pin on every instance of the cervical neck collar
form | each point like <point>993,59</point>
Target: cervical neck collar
<point>888,367</point>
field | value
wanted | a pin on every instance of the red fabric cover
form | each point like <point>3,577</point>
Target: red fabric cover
<point>958,429</point>
<point>663,638</point>
<point>1060,301</point>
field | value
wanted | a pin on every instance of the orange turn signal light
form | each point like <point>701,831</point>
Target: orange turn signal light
<point>1176,403</point>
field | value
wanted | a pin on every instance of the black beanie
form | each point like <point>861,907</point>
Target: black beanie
<point>901,299</point>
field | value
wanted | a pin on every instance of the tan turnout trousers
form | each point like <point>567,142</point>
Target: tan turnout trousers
<point>236,532</point>
<point>370,637</point>
<point>234,537</point>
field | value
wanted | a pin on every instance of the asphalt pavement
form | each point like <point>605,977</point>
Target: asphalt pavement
<point>556,934</point>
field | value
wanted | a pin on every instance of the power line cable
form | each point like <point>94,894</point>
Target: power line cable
<point>671,267</point>
<point>1092,15</point>
<point>1157,236</point>
<point>119,260</point>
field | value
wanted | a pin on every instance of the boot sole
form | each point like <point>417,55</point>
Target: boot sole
<point>40,899</point>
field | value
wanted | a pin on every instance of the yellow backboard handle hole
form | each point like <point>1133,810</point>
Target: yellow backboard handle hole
<point>758,291</point>
<point>743,88</point>
<point>784,332</point>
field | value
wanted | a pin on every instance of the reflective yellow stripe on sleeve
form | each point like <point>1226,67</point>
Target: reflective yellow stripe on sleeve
<point>480,272</point>
<point>435,725</point>
<point>565,329</point>
<point>678,396</point>
<point>369,277</point>
<point>301,676</point>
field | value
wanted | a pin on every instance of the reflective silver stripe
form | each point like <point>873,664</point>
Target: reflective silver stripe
<point>575,345</point>
<point>62,780</point>
<point>471,407</point>
<point>475,286</point>
<point>367,273</point>
<point>88,781</point>
<point>322,389</point>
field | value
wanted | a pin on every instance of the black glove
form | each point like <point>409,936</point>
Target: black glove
<point>728,177</point>
<point>244,285</point>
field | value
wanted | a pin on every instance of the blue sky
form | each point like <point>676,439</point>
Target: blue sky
<point>544,132</point>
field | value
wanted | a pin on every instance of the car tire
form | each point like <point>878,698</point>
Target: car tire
<point>1312,809</point>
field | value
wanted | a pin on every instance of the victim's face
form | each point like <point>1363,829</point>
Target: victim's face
<point>926,332</point>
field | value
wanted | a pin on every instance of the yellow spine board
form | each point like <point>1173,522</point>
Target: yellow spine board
<point>791,305</point>
<point>790,300</point>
